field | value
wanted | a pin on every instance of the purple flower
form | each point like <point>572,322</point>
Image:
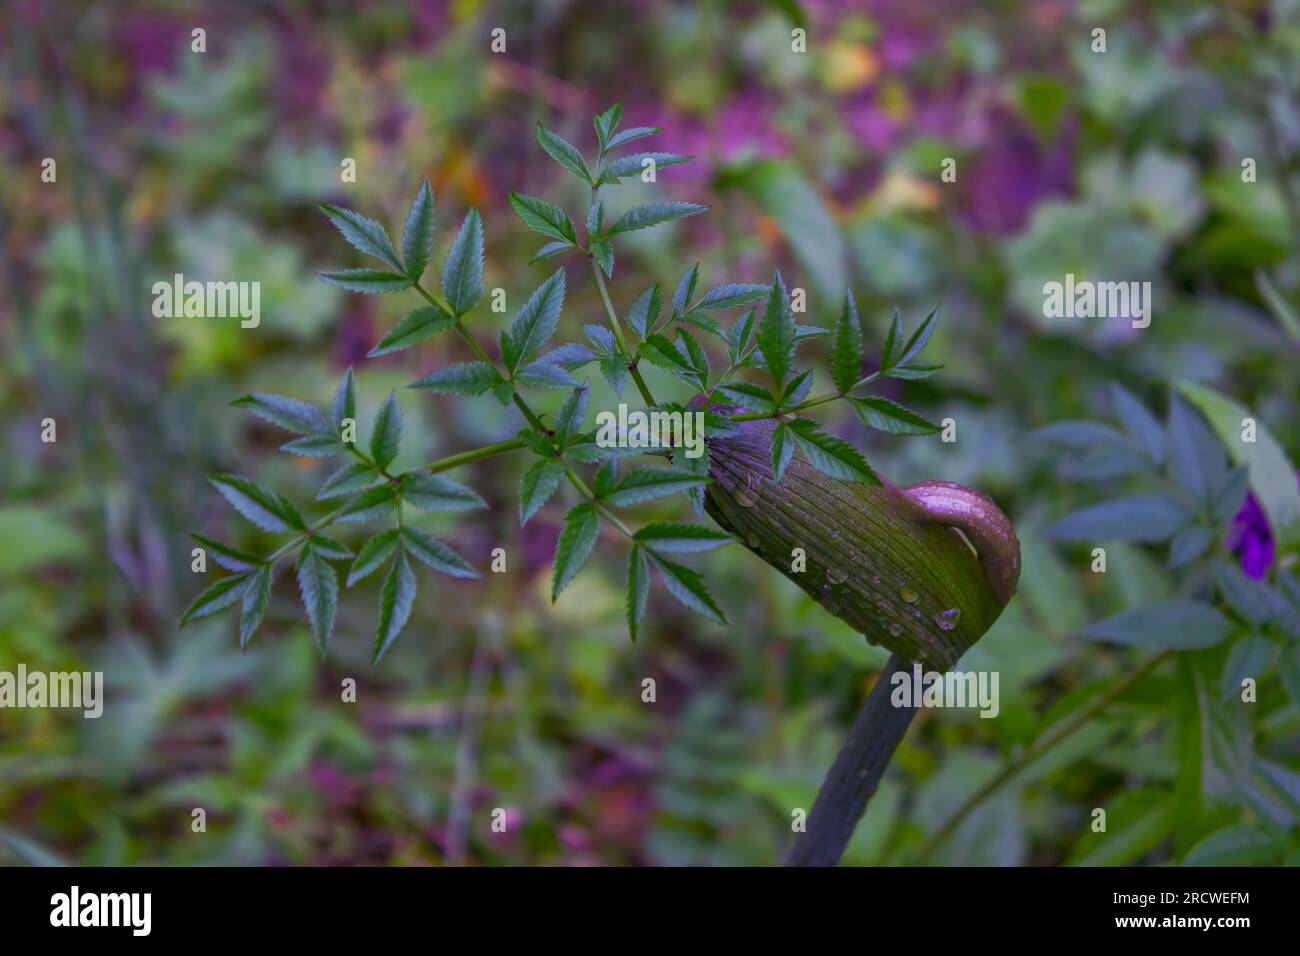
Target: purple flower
<point>1251,539</point>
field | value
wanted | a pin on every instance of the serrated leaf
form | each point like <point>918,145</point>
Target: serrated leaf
<point>753,397</point>
<point>1176,624</point>
<point>603,252</point>
<point>373,553</point>
<point>731,295</point>
<point>543,374</point>
<point>886,416</point>
<point>329,548</point>
<point>345,400</point>
<point>413,328</point>
<point>615,371</point>
<point>846,353</point>
<point>638,588</point>
<point>563,152</point>
<point>644,312</point>
<point>572,414</point>
<point>702,321</point>
<point>738,336</point>
<point>348,480</point>
<point>676,537</point>
<point>364,234</point>
<point>366,281</point>
<point>782,450</point>
<point>919,338</point>
<point>232,559</point>
<point>685,289</point>
<point>289,413</point>
<point>417,235</point>
<point>686,585</point>
<point>462,378</point>
<point>216,598</point>
<point>375,503</point>
<point>653,213</point>
<point>661,351</point>
<point>318,587</point>
<point>430,492</point>
<point>606,123</point>
<point>462,273</point>
<point>635,163</point>
<point>255,597</point>
<point>315,446</point>
<point>396,598</point>
<point>386,435</point>
<point>647,484</point>
<point>797,389</point>
<point>581,528</point>
<point>437,555</point>
<point>776,332</point>
<point>263,507</point>
<point>892,349</point>
<point>544,217</point>
<point>535,322</point>
<point>830,455</point>
<point>538,485</point>
<point>551,249</point>
<point>629,135</point>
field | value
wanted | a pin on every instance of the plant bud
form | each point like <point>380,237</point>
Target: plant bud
<point>923,571</point>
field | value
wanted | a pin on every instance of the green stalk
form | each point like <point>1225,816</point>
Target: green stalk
<point>617,328</point>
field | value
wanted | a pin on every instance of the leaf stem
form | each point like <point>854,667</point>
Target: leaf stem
<point>1040,747</point>
<point>617,328</point>
<point>809,403</point>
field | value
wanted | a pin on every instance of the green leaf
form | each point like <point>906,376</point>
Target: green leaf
<point>685,289</point>
<point>1196,460</point>
<point>738,336</point>
<point>373,553</point>
<point>776,333</point>
<point>753,397</point>
<point>232,559</point>
<point>783,443</point>
<point>603,252</point>
<point>364,234</point>
<point>462,273</point>
<point>830,455</point>
<point>638,588</point>
<point>438,493</point>
<point>318,586</point>
<point>289,413</point>
<point>367,281</point>
<point>1272,475</point>
<point>629,135</point>
<point>846,353</point>
<point>634,163</point>
<point>462,378</point>
<point>534,323</point>
<point>216,598</point>
<point>551,249</point>
<point>648,484</point>
<point>375,503</point>
<point>581,527</point>
<point>1236,845</point>
<point>315,446</point>
<point>606,123</point>
<point>644,312</point>
<point>329,548</point>
<point>919,338</point>
<point>892,349</point>
<point>386,435</point>
<point>266,509</point>
<point>538,484</point>
<point>348,480</point>
<point>887,416</point>
<point>543,374</point>
<point>686,585</point>
<point>563,153</point>
<point>1175,624</point>
<point>544,217</point>
<point>255,598</point>
<point>1147,518</point>
<point>572,414</point>
<point>437,555</point>
<point>731,295</point>
<point>676,537</point>
<point>1144,427</point>
<point>653,213</point>
<point>417,235</point>
<point>345,400</point>
<point>396,598</point>
<point>413,328</point>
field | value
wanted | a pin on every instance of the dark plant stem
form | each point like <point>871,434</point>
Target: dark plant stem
<point>853,778</point>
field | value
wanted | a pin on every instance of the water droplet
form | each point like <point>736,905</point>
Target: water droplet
<point>835,534</point>
<point>855,558</point>
<point>895,629</point>
<point>948,619</point>
<point>907,594</point>
<point>836,576</point>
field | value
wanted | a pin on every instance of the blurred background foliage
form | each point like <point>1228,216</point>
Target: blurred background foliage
<point>1125,164</point>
